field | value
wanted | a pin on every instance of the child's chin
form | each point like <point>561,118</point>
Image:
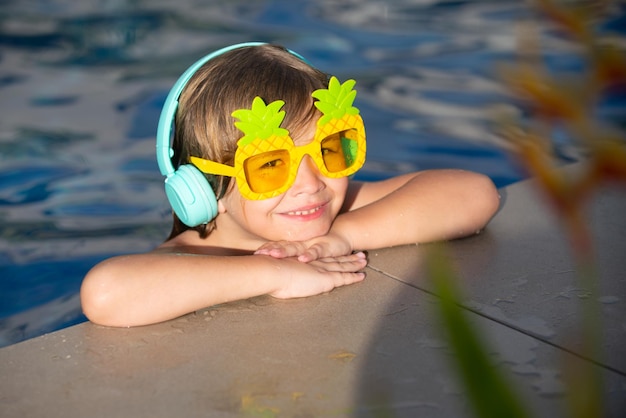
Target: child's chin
<point>305,234</point>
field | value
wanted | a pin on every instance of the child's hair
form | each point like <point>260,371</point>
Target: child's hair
<point>204,125</point>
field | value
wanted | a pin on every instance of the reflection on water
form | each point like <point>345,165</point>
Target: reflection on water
<point>82,83</point>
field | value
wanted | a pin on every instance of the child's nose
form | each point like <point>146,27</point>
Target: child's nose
<point>308,178</point>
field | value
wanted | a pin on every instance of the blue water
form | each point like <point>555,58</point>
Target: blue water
<point>82,83</point>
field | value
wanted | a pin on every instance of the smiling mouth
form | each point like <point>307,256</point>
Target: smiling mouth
<point>304,212</point>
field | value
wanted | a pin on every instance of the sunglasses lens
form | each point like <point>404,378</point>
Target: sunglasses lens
<point>268,171</point>
<point>339,150</point>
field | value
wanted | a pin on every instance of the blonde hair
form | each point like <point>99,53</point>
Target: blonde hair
<point>204,125</point>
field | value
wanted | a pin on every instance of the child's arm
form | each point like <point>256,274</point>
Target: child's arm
<point>154,287</point>
<point>413,208</point>
<point>423,207</point>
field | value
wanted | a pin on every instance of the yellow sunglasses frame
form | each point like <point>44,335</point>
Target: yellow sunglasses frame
<point>296,153</point>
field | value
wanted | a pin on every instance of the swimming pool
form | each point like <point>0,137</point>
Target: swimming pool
<point>81,86</point>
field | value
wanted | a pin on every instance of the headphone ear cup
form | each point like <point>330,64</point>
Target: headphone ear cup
<point>191,196</point>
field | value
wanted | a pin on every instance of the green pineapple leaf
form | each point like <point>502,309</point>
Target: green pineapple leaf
<point>260,121</point>
<point>335,101</point>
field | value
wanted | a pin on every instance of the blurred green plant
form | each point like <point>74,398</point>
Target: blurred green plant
<point>489,391</point>
<point>568,102</point>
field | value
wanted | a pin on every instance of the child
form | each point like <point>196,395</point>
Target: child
<point>256,215</point>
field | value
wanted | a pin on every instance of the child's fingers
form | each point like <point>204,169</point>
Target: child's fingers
<point>316,252</point>
<point>345,278</point>
<point>273,252</point>
<point>282,249</point>
<point>311,254</point>
<point>347,263</point>
<point>358,257</point>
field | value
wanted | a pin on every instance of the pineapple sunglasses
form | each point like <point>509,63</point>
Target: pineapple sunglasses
<point>267,160</point>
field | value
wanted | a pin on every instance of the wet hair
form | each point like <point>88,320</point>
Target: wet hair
<point>204,125</point>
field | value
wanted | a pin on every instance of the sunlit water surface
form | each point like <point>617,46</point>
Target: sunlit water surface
<point>82,83</point>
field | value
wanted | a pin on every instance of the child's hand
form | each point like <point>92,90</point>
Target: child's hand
<point>329,245</point>
<point>319,276</point>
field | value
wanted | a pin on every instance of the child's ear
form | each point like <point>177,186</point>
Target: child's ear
<point>220,206</point>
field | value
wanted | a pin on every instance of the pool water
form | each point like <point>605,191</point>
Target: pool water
<point>82,84</point>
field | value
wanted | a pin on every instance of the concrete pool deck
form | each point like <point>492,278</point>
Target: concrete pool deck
<point>371,349</point>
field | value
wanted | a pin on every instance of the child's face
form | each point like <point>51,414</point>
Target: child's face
<point>304,211</point>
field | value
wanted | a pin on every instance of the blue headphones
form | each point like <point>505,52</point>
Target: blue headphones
<point>187,190</point>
